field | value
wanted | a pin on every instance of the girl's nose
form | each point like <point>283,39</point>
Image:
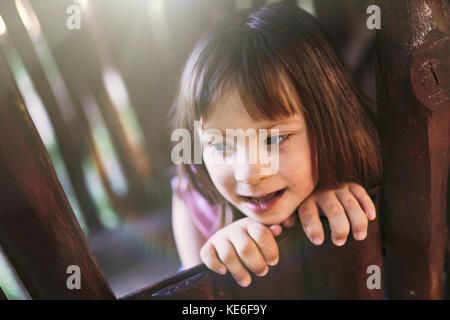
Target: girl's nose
<point>248,173</point>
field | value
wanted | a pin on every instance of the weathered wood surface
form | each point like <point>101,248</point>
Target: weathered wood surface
<point>39,232</point>
<point>304,272</point>
<point>413,91</point>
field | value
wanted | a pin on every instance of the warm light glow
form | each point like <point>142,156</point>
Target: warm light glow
<point>158,23</point>
<point>29,18</point>
<point>307,5</point>
<point>2,26</point>
<point>115,87</point>
<point>83,3</point>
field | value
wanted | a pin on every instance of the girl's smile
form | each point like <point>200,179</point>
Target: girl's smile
<point>262,204</point>
<point>268,198</point>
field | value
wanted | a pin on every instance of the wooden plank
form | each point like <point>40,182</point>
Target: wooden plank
<point>69,152</point>
<point>39,232</point>
<point>413,103</point>
<point>304,272</point>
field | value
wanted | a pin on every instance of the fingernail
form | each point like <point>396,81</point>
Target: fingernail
<point>263,273</point>
<point>222,270</point>
<point>339,242</point>
<point>273,262</point>
<point>244,282</point>
<point>317,241</point>
<point>360,236</point>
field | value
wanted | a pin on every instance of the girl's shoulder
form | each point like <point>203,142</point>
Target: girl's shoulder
<point>207,218</point>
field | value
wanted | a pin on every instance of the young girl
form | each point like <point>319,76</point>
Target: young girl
<point>272,68</point>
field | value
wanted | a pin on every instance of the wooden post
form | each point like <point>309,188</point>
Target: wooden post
<point>70,154</point>
<point>413,91</point>
<point>39,232</point>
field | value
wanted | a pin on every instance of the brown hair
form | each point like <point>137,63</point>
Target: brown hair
<point>282,62</point>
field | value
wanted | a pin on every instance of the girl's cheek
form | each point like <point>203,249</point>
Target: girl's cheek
<point>222,177</point>
<point>297,171</point>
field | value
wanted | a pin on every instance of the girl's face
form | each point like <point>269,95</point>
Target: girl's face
<point>267,198</point>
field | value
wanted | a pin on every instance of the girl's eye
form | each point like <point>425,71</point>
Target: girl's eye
<point>276,139</point>
<point>220,146</point>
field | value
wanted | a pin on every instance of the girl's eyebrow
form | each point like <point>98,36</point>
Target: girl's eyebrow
<point>286,122</point>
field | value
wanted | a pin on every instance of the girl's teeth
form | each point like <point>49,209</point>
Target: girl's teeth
<point>257,201</point>
<point>265,200</point>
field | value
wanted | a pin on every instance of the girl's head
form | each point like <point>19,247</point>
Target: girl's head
<point>275,67</point>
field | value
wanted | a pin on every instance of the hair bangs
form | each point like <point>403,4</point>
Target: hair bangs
<point>264,85</point>
<point>269,96</point>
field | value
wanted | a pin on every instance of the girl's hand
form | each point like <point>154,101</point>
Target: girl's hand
<point>348,207</point>
<point>243,243</point>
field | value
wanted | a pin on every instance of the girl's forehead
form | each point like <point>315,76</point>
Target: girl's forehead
<point>230,112</point>
<point>241,120</point>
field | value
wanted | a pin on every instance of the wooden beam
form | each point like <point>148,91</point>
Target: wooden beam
<point>70,153</point>
<point>413,87</point>
<point>39,232</point>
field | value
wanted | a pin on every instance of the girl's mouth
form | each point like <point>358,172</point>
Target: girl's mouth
<point>259,205</point>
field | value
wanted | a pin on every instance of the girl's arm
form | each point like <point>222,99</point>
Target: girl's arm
<point>188,238</point>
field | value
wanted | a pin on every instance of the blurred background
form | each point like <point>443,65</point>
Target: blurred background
<point>99,97</point>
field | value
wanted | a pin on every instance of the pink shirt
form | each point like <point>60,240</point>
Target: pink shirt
<point>206,217</point>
